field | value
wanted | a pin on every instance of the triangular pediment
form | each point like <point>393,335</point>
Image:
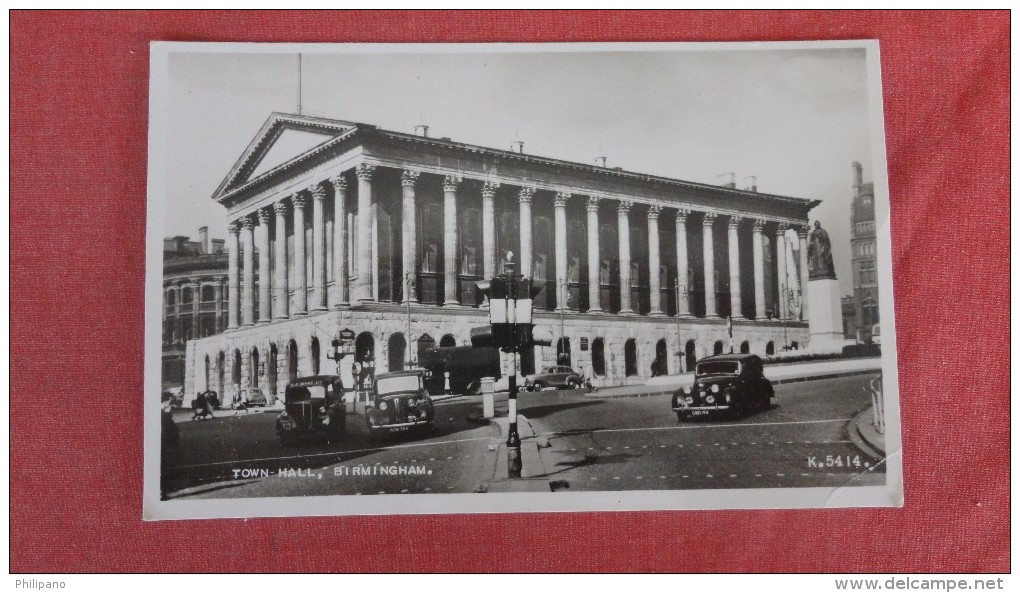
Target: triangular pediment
<point>283,139</point>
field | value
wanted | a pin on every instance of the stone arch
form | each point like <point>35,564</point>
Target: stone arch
<point>745,347</point>
<point>661,361</point>
<point>271,378</point>
<point>253,369</point>
<point>717,348</point>
<point>221,369</point>
<point>315,355</point>
<point>563,354</point>
<point>292,360</point>
<point>770,348</point>
<point>630,358</point>
<point>598,357</point>
<point>208,372</point>
<point>397,352</point>
<point>447,341</point>
<point>236,371</point>
<point>690,355</point>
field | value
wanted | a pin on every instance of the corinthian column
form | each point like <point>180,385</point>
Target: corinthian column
<point>560,230</point>
<point>759,269</point>
<point>489,229</point>
<point>782,281</point>
<point>593,255</point>
<point>709,257</point>
<point>734,253</point>
<point>366,232</point>
<point>524,197</point>
<point>654,292</point>
<point>265,276</point>
<point>233,273</point>
<point>450,183</point>
<point>340,294</point>
<point>409,254</point>
<point>280,281</point>
<point>248,243</point>
<point>802,233</point>
<point>300,277</point>
<point>318,248</point>
<point>623,230</point>
<point>683,306</point>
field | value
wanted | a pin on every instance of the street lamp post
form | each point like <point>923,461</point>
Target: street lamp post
<point>407,300</point>
<point>562,298</point>
<point>681,293</point>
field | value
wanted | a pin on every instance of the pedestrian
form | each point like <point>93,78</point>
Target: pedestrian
<point>199,406</point>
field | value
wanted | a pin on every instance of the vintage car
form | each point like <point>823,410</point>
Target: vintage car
<point>313,407</point>
<point>256,397</point>
<point>557,377</point>
<point>399,402</point>
<point>725,383</point>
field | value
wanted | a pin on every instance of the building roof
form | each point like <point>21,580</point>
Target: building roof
<point>337,135</point>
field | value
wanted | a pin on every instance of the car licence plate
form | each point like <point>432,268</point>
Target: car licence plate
<point>400,428</point>
<point>699,412</point>
<point>286,424</point>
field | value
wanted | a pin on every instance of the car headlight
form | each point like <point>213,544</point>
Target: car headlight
<point>710,399</point>
<point>325,421</point>
<point>715,388</point>
<point>382,405</point>
<point>690,400</point>
<point>283,414</point>
<point>686,388</point>
<point>322,409</point>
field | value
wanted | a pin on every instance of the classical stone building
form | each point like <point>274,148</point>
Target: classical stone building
<point>336,225</point>
<point>194,297</point>
<point>864,253</point>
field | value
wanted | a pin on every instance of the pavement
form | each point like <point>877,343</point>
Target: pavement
<point>861,428</point>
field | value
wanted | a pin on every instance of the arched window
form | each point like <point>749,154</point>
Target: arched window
<point>770,349</point>
<point>208,372</point>
<point>186,295</point>
<point>660,366</point>
<point>315,356</point>
<point>253,370</point>
<point>397,348</point>
<point>447,341</point>
<point>598,357</point>
<point>718,347</point>
<point>208,294</point>
<point>292,361</point>
<point>236,374</point>
<point>745,347</point>
<point>690,355</point>
<point>630,358</point>
<point>271,370</point>
<point>563,351</point>
<point>221,368</point>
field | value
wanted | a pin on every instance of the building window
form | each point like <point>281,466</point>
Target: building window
<point>186,296</point>
<point>208,294</point>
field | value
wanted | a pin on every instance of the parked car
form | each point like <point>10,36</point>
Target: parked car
<point>399,403</point>
<point>313,407</point>
<point>726,383</point>
<point>558,377</point>
<point>256,397</point>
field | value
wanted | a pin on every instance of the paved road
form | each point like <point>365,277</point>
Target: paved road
<point>230,457</point>
<point>633,443</point>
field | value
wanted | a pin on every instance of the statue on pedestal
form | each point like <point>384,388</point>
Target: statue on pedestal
<point>820,265</point>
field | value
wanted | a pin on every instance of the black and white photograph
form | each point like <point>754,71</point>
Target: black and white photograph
<point>465,278</point>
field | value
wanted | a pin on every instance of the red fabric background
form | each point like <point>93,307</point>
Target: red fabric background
<point>79,91</point>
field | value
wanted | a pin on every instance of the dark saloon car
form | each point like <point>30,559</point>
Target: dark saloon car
<point>727,383</point>
<point>313,407</point>
<point>400,403</point>
<point>558,377</point>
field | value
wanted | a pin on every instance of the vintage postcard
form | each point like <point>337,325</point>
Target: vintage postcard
<point>517,277</point>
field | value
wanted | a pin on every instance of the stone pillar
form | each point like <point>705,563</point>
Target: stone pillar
<point>218,295</point>
<point>178,321</point>
<point>248,296</point>
<point>300,277</point>
<point>560,230</point>
<point>366,233</point>
<point>524,198</point>
<point>450,183</point>
<point>233,272</point>
<point>265,276</point>
<point>318,248</point>
<point>782,279</point>
<point>489,229</point>
<point>709,257</point>
<point>683,306</point>
<point>802,233</point>
<point>341,295</point>
<point>196,294</point>
<point>736,302</point>
<point>623,230</point>
<point>409,254</point>
<point>593,255</point>
<point>280,289</point>
<point>759,269</point>
<point>654,292</point>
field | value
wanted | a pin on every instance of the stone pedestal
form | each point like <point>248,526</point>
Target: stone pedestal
<point>825,320</point>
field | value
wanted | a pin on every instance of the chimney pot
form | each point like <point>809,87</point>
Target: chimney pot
<point>203,238</point>
<point>421,130</point>
<point>517,146</point>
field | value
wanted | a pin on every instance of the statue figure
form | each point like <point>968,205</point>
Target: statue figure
<point>820,265</point>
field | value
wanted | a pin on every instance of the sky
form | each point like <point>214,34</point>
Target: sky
<point>794,118</point>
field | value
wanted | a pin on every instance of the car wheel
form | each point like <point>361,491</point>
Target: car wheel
<point>680,417</point>
<point>538,386</point>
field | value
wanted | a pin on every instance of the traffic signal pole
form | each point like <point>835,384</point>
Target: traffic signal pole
<point>513,438</point>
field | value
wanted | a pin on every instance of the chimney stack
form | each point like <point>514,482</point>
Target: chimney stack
<point>421,130</point>
<point>203,238</point>
<point>753,185</point>
<point>517,146</point>
<point>858,177</point>
<point>600,161</point>
<point>728,180</point>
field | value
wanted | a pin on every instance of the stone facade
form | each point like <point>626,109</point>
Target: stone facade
<point>371,227</point>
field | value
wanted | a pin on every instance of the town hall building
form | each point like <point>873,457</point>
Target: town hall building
<point>339,225</point>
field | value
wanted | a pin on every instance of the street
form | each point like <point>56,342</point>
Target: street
<point>585,442</point>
